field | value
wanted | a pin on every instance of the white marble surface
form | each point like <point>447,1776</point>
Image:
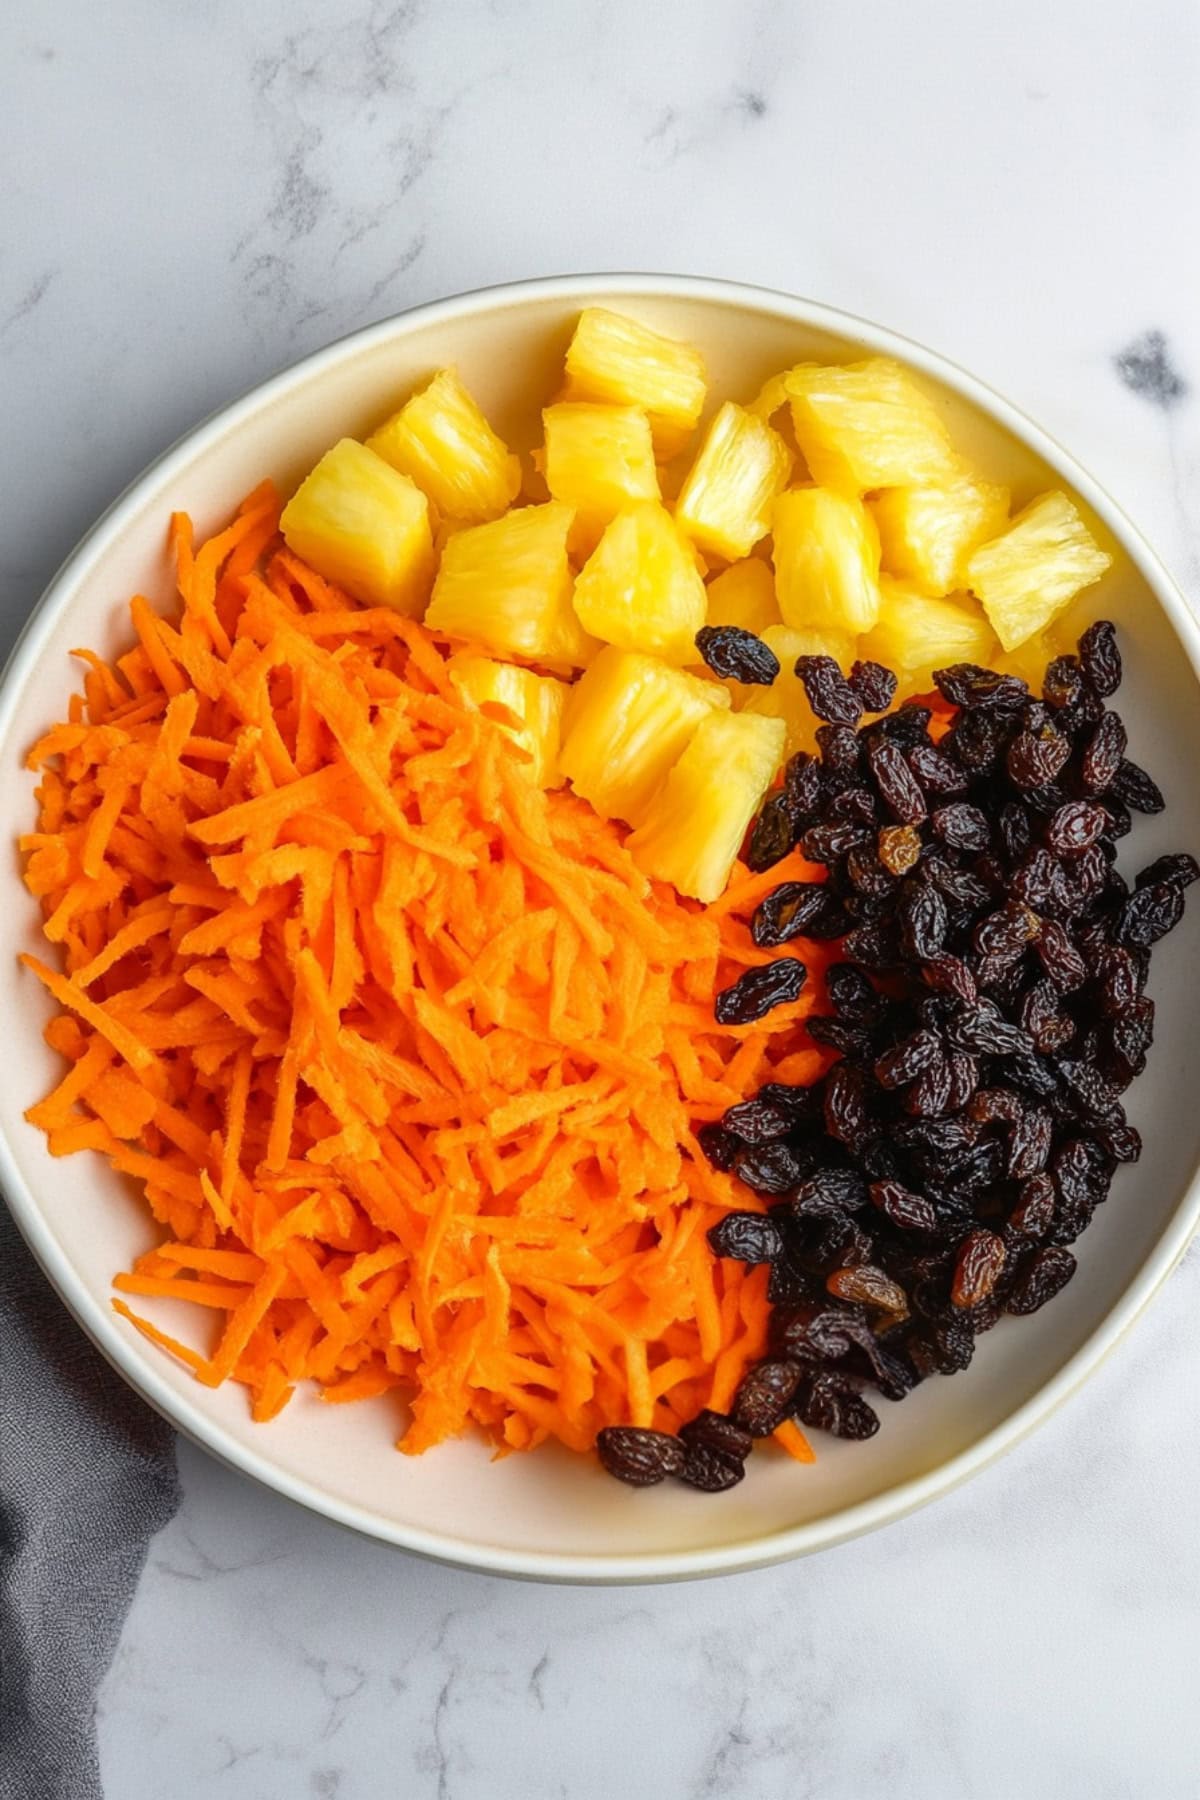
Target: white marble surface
<point>197,191</point>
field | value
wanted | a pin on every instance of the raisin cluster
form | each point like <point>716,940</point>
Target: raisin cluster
<point>988,1010</point>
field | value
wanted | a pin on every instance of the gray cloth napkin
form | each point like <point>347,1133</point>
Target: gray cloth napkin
<point>87,1476</point>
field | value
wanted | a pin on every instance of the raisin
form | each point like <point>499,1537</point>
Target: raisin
<point>1120,981</point>
<point>828,692</point>
<point>717,1432</point>
<point>901,1207</point>
<point>1059,958</point>
<point>737,655</point>
<point>923,920</point>
<point>1075,826</point>
<point>770,1169</point>
<point>1029,1146</point>
<point>789,911</point>
<point>1122,1142</point>
<point>720,1146</point>
<point>846,1114</point>
<point>978,739</point>
<point>1100,659</point>
<point>802,785</point>
<point>1016,832</point>
<point>936,772</point>
<point>874,686</point>
<point>869,1286</point>
<point>757,991</point>
<point>899,848</point>
<point>931,1093</point>
<point>961,826</point>
<point>1081,1172</point>
<point>908,727</point>
<point>1047,1275</point>
<point>898,786</point>
<point>747,1237</point>
<point>825,843</point>
<point>1133,1033</point>
<point>1063,683</point>
<point>766,1392</point>
<point>950,975</point>
<point>968,685</point>
<point>1120,819</point>
<point>709,1470</point>
<point>839,746</point>
<point>908,1059</point>
<point>981,1028</point>
<point>772,836</point>
<point>1050,1028</point>
<point>1088,1087</point>
<point>1102,756</point>
<point>996,1106</point>
<point>830,1190</point>
<point>980,1259</point>
<point>867,872</point>
<point>1134,788</point>
<point>964,1079</point>
<point>1148,914</point>
<point>1178,870</point>
<point>851,994</point>
<point>639,1456</point>
<point>1035,1207</point>
<point>758,1121</point>
<point>838,1034</point>
<point>942,1349</point>
<point>829,1404</point>
<point>1033,759</point>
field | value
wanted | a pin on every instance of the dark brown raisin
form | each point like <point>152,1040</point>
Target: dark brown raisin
<point>1050,1028</point>
<point>802,785</point>
<point>772,835</point>
<point>766,1392</point>
<point>874,685</point>
<point>871,947</point>
<point>1035,1207</point>
<point>937,772</point>
<point>718,1432</point>
<point>847,1117</point>
<point>908,1059</point>
<point>996,1106</point>
<point>964,1079</point>
<point>898,786</point>
<point>1100,658</point>
<point>1016,833</point>
<point>867,873</point>
<point>1075,826</point>
<point>709,1470</point>
<point>839,1034</point>
<point>1120,981</point>
<point>639,1456</point>
<point>1033,759</point>
<point>961,826</point>
<point>771,1168</point>
<point>737,655</point>
<point>1060,959</point>
<point>1029,1146</point>
<point>899,848</point>
<point>1047,1275</point>
<point>829,1404</point>
<point>1133,1032</point>
<point>978,739</point>
<point>747,1237</point>
<point>1063,683</point>
<point>1148,914</point>
<point>923,920</point>
<point>830,1190</point>
<point>840,750</point>
<point>720,1146</point>
<point>759,1121</point>
<point>757,991</point>
<point>788,912</point>
<point>931,1093</point>
<point>1102,756</point>
<point>829,693</point>
<point>852,995</point>
<point>980,1259</point>
<point>901,1207</point>
<point>1134,788</point>
<point>1177,870</point>
<point>825,843</point>
<point>1123,1142</point>
<point>948,974</point>
<point>966,684</point>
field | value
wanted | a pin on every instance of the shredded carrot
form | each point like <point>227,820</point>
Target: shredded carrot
<point>407,1054</point>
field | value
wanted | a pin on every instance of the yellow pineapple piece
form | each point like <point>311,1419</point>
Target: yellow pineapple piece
<point>1036,568</point>
<point>364,526</point>
<point>694,826</point>
<point>528,706</point>
<point>640,588</point>
<point>615,358</point>
<point>627,720</point>
<point>785,699</point>
<point>926,534</point>
<point>743,595</point>
<point>725,502</point>
<point>826,561</point>
<point>868,425</point>
<point>917,634</point>
<point>597,459</point>
<point>507,585</point>
<point>441,440</point>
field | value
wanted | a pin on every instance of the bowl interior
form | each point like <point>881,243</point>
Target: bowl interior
<point>551,1513</point>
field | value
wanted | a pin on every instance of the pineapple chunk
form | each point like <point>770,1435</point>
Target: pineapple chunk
<point>744,595</point>
<point>640,588</point>
<point>868,425</point>
<point>507,586</point>
<point>364,526</point>
<point>696,822</point>
<point>927,533</point>
<point>532,708</point>
<point>917,634</point>
<point>442,441</point>
<point>725,502</point>
<point>826,561</point>
<point>615,358</point>
<point>627,720</point>
<point>597,459</point>
<point>785,698</point>
<point>1037,567</point>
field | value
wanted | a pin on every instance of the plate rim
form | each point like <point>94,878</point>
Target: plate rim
<point>125,1351</point>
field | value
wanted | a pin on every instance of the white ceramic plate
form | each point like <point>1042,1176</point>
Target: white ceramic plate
<point>550,1515</point>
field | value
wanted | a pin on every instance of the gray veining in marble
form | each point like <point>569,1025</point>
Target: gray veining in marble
<point>194,194</point>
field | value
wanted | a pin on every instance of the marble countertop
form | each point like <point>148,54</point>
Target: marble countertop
<point>195,193</point>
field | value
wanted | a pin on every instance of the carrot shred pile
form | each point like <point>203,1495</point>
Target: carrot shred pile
<point>405,1053</point>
